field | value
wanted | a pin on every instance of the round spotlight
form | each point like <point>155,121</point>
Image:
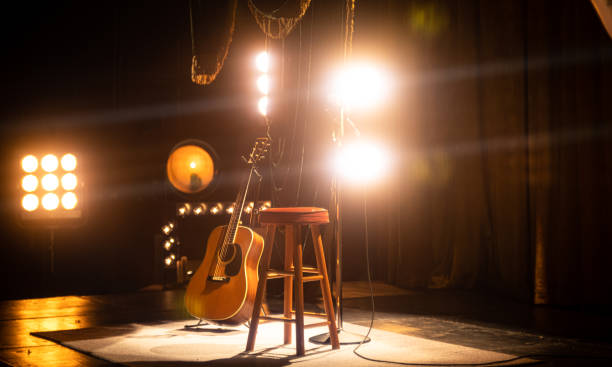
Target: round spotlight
<point>30,202</point>
<point>49,163</point>
<point>50,182</point>
<point>168,260</point>
<point>50,201</point>
<point>190,168</point>
<point>29,163</point>
<point>359,86</point>
<point>263,84</point>
<point>29,183</point>
<point>69,181</point>
<point>69,162</point>
<point>262,106</point>
<point>262,62</point>
<point>69,201</point>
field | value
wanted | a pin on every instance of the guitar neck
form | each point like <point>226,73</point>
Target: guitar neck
<point>232,226</point>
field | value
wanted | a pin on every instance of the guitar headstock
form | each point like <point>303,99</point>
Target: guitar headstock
<point>260,150</point>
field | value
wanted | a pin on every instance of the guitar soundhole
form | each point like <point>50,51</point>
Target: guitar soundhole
<point>228,254</point>
<point>233,267</point>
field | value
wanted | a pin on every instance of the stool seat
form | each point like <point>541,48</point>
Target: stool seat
<point>298,215</point>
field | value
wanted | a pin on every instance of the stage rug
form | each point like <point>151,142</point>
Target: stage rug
<point>174,344</point>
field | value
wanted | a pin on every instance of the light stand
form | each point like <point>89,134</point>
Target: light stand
<point>344,336</point>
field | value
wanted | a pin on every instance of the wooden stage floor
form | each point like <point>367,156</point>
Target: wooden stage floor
<point>562,337</point>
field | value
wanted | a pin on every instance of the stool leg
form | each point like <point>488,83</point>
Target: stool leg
<point>299,287</point>
<point>288,281</point>
<point>327,299</point>
<point>261,286</point>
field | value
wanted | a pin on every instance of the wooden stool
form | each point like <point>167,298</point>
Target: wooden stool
<point>293,219</point>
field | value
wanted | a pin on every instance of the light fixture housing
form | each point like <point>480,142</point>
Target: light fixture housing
<point>50,192</point>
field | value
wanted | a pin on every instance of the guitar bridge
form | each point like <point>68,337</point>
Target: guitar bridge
<point>218,279</point>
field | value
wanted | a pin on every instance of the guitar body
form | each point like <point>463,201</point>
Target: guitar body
<point>224,292</point>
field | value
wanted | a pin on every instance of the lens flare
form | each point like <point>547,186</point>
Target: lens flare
<point>30,202</point>
<point>29,163</point>
<point>361,162</point>
<point>359,86</point>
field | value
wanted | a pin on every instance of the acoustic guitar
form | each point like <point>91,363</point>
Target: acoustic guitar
<point>222,290</point>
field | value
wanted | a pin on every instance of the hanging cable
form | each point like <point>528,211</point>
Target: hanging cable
<point>277,27</point>
<point>205,77</point>
<point>307,102</point>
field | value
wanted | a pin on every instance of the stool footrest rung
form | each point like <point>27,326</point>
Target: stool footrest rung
<point>288,319</point>
<point>276,273</point>
<point>316,324</point>
<point>313,314</point>
<point>312,278</point>
<point>277,318</point>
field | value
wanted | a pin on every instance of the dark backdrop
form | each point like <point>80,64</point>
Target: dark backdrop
<point>499,122</point>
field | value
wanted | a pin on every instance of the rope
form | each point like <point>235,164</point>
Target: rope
<point>349,29</point>
<point>204,77</point>
<point>277,27</point>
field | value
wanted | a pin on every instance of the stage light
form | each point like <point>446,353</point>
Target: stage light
<point>168,261</point>
<point>263,84</point>
<point>167,229</point>
<point>29,183</point>
<point>50,182</point>
<point>216,209</point>
<point>262,106</point>
<point>49,163</point>
<point>29,163</point>
<point>69,181</point>
<point>30,202</point>
<point>56,188</point>
<point>229,210</point>
<point>359,86</point>
<point>248,209</point>
<point>69,200</point>
<point>50,201</point>
<point>200,209</point>
<point>262,62</point>
<point>184,210</point>
<point>190,167</point>
<point>69,162</point>
<point>361,162</point>
<point>167,245</point>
